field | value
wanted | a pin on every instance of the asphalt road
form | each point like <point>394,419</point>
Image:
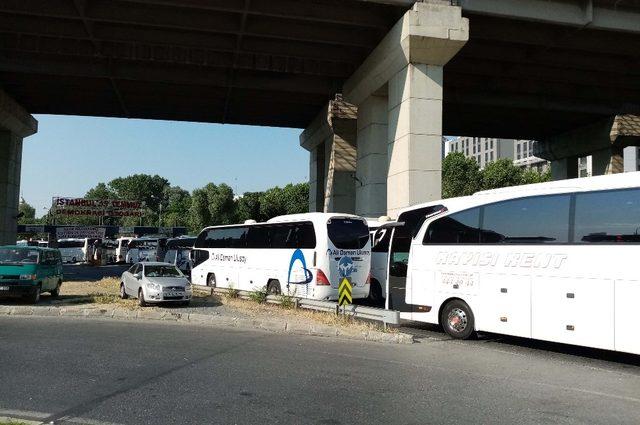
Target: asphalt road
<point>97,372</point>
<point>86,273</point>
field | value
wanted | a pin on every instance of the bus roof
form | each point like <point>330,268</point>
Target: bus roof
<point>291,218</point>
<point>613,181</point>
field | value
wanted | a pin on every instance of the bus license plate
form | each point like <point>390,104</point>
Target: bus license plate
<point>4,288</point>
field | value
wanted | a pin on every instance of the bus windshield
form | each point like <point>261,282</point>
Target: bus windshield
<point>347,233</point>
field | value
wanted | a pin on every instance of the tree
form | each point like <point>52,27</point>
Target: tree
<point>199,216</point>
<point>101,191</point>
<point>28,213</point>
<point>175,206</point>
<point>248,207</point>
<point>460,176</point>
<point>532,176</point>
<point>141,187</point>
<point>222,206</point>
<point>501,173</point>
<point>273,203</point>
<point>296,198</point>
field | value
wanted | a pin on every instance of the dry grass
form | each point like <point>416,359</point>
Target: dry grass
<point>254,309</point>
<point>104,291</point>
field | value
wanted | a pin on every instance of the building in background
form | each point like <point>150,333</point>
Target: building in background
<point>631,159</point>
<point>485,150</point>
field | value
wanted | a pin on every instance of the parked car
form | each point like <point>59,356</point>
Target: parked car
<point>27,271</point>
<point>155,282</point>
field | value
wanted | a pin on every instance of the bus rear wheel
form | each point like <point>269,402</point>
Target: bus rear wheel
<point>273,287</point>
<point>458,320</point>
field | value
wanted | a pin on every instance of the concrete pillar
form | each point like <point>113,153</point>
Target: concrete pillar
<point>409,61</point>
<point>331,140</point>
<point>372,164</point>
<point>415,137</point>
<point>608,161</point>
<point>10,163</point>
<point>316,178</point>
<point>564,168</point>
<point>15,124</point>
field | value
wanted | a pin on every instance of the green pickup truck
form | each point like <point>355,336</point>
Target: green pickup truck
<point>27,271</point>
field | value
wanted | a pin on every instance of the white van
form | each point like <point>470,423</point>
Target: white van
<point>304,255</point>
<point>72,250</point>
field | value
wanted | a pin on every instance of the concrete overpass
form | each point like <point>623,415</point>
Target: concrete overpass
<point>502,68</point>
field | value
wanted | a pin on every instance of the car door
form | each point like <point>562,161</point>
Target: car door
<point>47,270</point>
<point>129,286</point>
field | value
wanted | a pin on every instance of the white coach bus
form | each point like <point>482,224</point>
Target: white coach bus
<point>551,261</point>
<point>72,250</point>
<point>304,255</point>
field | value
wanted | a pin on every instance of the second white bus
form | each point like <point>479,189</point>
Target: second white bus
<point>303,255</point>
<point>552,261</point>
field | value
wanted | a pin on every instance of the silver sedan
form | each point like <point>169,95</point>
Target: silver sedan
<point>153,282</point>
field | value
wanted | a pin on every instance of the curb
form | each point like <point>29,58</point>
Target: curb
<point>270,325</point>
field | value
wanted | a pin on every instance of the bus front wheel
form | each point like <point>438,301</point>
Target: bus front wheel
<point>273,287</point>
<point>211,280</point>
<point>457,320</point>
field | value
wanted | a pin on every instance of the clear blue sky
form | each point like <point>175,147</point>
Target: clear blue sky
<point>69,155</point>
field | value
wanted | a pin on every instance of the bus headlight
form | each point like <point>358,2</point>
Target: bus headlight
<point>28,277</point>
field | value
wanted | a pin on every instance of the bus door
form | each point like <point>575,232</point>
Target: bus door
<point>408,226</point>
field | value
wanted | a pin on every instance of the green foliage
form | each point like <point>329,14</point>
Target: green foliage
<point>259,295</point>
<point>501,173</point>
<point>232,292</point>
<point>101,191</point>
<point>27,211</point>
<point>248,207</point>
<point>461,176</point>
<point>176,204</point>
<point>531,176</point>
<point>292,199</point>
<point>287,301</point>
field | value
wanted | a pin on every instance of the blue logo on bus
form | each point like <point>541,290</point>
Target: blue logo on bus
<point>346,267</point>
<point>299,256</point>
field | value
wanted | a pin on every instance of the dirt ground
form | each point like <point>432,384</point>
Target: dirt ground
<point>106,292</point>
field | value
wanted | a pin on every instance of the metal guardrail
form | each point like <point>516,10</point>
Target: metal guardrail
<point>387,317</point>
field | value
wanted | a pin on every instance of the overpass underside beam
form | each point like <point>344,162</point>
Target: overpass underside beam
<point>15,124</point>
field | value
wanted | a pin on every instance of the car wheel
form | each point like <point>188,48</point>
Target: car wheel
<point>457,320</point>
<point>123,292</point>
<point>56,292</point>
<point>211,280</point>
<point>35,297</point>
<point>273,287</point>
<point>141,301</point>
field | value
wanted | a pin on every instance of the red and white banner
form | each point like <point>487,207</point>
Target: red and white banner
<point>98,207</point>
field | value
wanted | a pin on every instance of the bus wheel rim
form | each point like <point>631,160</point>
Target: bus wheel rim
<point>457,320</point>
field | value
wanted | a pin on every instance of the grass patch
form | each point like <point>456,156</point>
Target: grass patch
<point>259,295</point>
<point>287,302</point>
<point>232,293</point>
<point>12,423</point>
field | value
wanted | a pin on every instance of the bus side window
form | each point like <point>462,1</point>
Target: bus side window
<point>462,227</point>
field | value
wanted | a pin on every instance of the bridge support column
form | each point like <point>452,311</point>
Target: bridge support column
<point>604,141</point>
<point>607,161</point>
<point>407,65</point>
<point>15,125</point>
<point>331,140</point>
<point>565,168</point>
<point>371,166</point>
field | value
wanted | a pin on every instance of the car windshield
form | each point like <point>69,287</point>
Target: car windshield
<point>161,271</point>
<point>18,256</point>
